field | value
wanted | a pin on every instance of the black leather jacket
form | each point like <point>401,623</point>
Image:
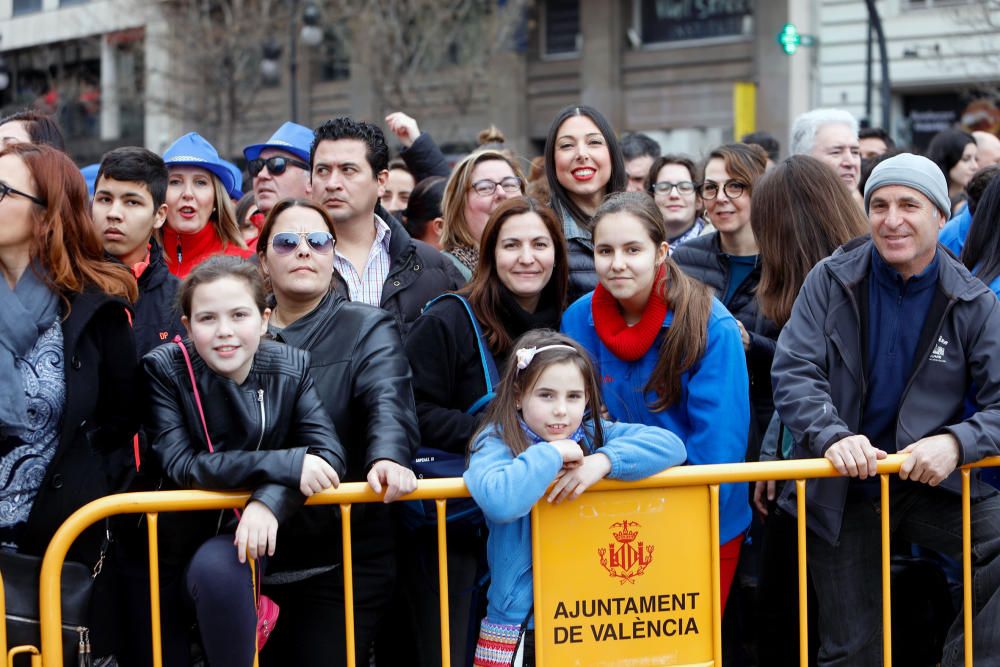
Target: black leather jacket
<point>261,430</point>
<point>363,377</point>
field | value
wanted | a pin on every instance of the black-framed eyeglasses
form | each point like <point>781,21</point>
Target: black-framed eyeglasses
<point>276,165</point>
<point>733,189</point>
<point>285,243</point>
<point>664,187</point>
<point>6,189</point>
<point>486,187</point>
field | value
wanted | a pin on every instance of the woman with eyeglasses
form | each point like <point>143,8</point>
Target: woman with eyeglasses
<point>363,379</point>
<point>671,182</point>
<point>68,395</point>
<point>519,285</point>
<point>480,182</point>
<point>583,164</point>
<point>728,261</point>
<point>201,220</point>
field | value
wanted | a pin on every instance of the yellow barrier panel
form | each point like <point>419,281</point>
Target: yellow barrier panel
<point>685,476</point>
<point>614,579</point>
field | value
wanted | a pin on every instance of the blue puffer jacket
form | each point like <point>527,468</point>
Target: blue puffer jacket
<point>507,487</point>
<point>713,415</point>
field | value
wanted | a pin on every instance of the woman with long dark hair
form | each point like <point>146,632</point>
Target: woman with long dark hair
<point>668,353</point>
<point>583,163</point>
<point>981,253</point>
<point>519,285</point>
<point>955,153</point>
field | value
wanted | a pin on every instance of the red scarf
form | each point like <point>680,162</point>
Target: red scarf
<point>629,343</point>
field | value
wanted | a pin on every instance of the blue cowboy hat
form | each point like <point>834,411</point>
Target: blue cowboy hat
<point>291,137</point>
<point>192,150</point>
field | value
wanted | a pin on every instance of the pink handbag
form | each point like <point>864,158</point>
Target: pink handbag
<point>267,609</point>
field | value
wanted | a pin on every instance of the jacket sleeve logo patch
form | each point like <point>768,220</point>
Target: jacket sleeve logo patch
<point>937,354</point>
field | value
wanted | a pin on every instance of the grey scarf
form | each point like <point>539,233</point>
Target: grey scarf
<point>26,312</point>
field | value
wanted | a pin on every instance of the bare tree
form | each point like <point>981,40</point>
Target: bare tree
<point>433,53</point>
<point>213,50</point>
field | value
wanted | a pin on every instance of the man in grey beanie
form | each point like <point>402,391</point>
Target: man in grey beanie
<point>886,340</point>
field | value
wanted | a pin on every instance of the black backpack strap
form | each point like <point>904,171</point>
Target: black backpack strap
<point>490,373</point>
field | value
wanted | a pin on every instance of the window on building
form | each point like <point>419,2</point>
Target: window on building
<point>927,4</point>
<point>561,27</point>
<point>27,6</point>
<point>681,20</point>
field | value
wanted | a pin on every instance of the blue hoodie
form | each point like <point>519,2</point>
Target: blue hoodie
<point>507,487</point>
<point>955,231</point>
<point>713,415</point>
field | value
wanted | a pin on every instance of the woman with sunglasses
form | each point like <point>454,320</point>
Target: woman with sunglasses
<point>519,285</point>
<point>201,220</point>
<point>671,182</point>
<point>479,183</point>
<point>728,261</point>
<point>68,405</point>
<point>363,379</point>
<point>583,164</point>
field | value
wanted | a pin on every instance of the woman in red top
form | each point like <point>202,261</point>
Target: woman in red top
<point>201,221</point>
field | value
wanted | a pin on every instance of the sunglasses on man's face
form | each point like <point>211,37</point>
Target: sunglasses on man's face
<point>285,243</point>
<point>276,165</point>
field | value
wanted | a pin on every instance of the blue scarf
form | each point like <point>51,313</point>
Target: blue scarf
<point>579,435</point>
<point>26,312</point>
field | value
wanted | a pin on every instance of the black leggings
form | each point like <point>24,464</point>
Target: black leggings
<point>221,590</point>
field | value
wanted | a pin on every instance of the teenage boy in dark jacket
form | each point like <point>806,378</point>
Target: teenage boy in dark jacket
<point>128,208</point>
<point>377,261</point>
<point>884,340</point>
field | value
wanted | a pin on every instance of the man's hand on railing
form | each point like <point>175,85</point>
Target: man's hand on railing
<point>396,479</point>
<point>763,495</point>
<point>855,456</point>
<point>930,459</point>
<point>257,532</point>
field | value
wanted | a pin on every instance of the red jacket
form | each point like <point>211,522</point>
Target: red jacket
<point>186,251</point>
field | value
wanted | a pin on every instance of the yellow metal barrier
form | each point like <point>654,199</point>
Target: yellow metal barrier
<point>153,503</point>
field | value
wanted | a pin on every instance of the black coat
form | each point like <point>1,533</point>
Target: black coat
<point>99,418</point>
<point>702,258</point>
<point>363,379</point>
<point>157,319</point>
<point>425,159</point>
<point>418,272</point>
<point>261,431</point>
<point>448,375</point>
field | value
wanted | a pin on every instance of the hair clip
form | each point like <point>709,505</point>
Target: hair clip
<point>526,354</point>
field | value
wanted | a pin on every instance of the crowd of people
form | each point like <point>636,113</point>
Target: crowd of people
<point>613,313</point>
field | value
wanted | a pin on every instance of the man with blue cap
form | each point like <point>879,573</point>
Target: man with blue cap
<point>887,338</point>
<point>279,167</point>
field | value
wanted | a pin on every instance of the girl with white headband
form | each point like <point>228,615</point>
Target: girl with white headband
<point>539,429</point>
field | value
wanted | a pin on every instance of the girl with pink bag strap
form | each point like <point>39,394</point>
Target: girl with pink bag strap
<point>230,411</point>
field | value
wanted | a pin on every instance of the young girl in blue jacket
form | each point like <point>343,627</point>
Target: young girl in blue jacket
<point>667,352</point>
<point>539,430</point>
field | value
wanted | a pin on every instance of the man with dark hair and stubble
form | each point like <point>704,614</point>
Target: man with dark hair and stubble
<point>639,151</point>
<point>377,261</point>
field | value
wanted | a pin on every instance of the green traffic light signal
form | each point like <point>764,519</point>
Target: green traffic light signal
<point>789,39</point>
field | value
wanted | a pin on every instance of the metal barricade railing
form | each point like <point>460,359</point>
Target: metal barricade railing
<point>153,503</point>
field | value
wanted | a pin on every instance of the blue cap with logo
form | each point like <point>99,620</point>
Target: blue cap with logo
<point>291,137</point>
<point>192,150</point>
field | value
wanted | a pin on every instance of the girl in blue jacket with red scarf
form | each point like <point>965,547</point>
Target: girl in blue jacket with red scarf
<point>667,352</point>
